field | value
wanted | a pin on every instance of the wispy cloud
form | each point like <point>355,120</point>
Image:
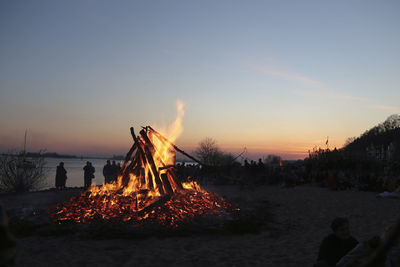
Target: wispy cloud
<point>331,94</point>
<point>388,108</point>
<point>320,89</point>
<point>351,97</point>
<point>290,76</point>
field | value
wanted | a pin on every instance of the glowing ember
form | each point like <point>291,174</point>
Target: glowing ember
<point>139,208</point>
<point>147,188</point>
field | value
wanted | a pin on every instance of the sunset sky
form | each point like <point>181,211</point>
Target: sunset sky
<point>272,76</point>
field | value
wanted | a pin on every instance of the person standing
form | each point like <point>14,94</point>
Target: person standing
<point>61,176</point>
<point>107,172</point>
<point>88,174</point>
<point>115,170</point>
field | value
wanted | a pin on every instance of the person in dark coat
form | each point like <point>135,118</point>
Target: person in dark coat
<point>107,172</point>
<point>88,174</point>
<point>337,244</point>
<point>61,176</point>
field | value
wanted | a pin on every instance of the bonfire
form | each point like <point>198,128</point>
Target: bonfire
<point>147,190</point>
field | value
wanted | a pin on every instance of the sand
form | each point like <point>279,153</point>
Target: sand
<point>301,218</point>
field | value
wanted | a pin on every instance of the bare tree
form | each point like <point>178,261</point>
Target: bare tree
<point>209,152</point>
<point>19,175</point>
<point>211,155</point>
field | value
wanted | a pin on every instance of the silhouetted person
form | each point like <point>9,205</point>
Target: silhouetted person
<point>107,172</point>
<point>88,174</point>
<point>337,244</point>
<point>260,165</point>
<point>61,176</point>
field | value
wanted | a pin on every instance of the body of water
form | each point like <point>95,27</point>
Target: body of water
<point>74,168</point>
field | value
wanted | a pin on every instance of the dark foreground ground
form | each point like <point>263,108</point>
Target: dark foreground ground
<point>299,219</point>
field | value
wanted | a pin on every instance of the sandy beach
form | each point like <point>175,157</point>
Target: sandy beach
<point>300,219</point>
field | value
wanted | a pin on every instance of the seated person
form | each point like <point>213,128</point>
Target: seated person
<point>337,244</point>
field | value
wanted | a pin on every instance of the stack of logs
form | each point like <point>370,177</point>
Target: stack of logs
<point>142,153</point>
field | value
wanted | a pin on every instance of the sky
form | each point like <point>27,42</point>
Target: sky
<point>276,77</point>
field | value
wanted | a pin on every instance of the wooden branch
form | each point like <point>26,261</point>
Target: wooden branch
<point>149,179</point>
<point>154,170</point>
<point>174,179</point>
<point>131,168</point>
<point>161,201</point>
<point>142,176</point>
<point>166,184</point>
<point>138,145</point>
<point>149,152</point>
<point>244,151</point>
<point>145,159</point>
<point>128,156</point>
<point>138,164</point>
<point>147,141</point>
<point>148,176</point>
<point>136,161</point>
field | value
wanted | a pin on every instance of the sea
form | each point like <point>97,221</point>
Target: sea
<point>74,168</point>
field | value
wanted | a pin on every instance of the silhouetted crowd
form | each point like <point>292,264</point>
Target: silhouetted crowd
<point>110,172</point>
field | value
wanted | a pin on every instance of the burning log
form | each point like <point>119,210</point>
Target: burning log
<point>124,173</point>
<point>174,179</point>
<point>167,184</point>
<point>137,143</point>
<point>128,156</point>
<point>154,205</point>
<point>150,152</point>
<point>154,170</point>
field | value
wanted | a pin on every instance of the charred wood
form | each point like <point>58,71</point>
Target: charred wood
<point>167,186</point>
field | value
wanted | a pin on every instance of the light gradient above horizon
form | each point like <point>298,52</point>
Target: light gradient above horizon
<point>272,76</point>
